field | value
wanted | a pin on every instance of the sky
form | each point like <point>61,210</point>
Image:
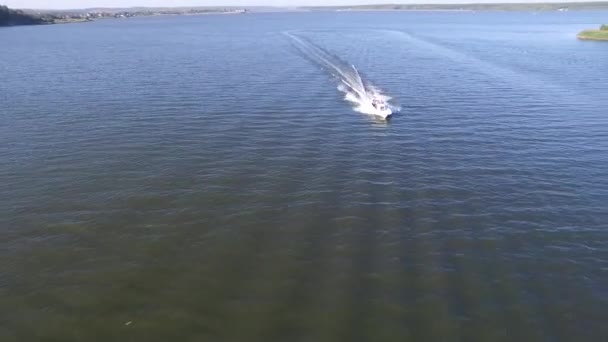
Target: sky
<point>74,4</point>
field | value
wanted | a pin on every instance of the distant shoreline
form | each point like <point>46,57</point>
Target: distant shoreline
<point>472,6</point>
<point>540,6</point>
<point>82,16</point>
<point>12,17</point>
<point>42,17</point>
<point>88,20</point>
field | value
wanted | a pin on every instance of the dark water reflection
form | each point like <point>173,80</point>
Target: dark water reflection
<point>195,179</point>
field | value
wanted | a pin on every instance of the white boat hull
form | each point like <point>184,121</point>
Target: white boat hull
<point>384,114</point>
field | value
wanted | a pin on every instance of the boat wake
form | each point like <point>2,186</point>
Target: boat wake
<point>364,96</point>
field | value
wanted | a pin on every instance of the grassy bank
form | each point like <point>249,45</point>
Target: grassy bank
<point>71,20</point>
<point>601,34</point>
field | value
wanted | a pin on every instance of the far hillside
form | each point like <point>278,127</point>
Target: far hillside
<point>472,6</point>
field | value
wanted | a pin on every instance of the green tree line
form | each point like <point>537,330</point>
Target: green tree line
<point>10,17</point>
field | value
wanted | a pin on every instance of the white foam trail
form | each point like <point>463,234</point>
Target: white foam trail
<point>358,92</point>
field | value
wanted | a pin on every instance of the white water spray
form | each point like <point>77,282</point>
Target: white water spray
<point>356,91</point>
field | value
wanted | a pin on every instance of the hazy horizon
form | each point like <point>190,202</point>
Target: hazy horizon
<point>74,4</point>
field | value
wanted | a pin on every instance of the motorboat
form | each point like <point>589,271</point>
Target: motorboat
<point>382,108</point>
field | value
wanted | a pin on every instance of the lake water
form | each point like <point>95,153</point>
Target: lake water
<point>198,179</point>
